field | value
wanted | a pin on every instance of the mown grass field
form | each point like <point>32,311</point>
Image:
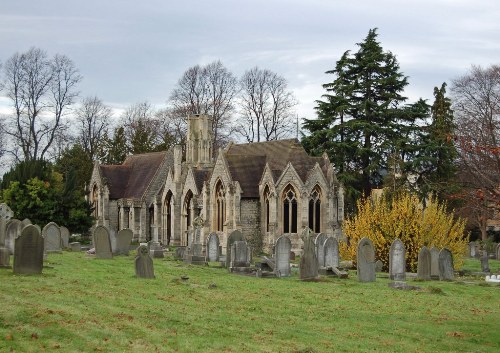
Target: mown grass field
<point>81,304</point>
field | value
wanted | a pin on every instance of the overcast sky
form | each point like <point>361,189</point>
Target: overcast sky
<point>131,51</point>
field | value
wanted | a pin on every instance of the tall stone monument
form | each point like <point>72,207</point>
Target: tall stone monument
<point>397,261</point>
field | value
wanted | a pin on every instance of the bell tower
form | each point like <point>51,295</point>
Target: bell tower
<point>199,142</point>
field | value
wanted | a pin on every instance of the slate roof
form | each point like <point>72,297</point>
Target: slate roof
<point>247,161</point>
<point>132,178</point>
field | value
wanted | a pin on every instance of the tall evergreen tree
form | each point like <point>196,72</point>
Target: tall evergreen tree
<point>360,121</point>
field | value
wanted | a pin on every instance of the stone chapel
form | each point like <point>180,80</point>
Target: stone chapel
<point>264,189</point>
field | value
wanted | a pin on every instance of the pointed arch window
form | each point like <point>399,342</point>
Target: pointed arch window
<point>188,208</point>
<point>290,212</point>
<point>315,210</point>
<point>167,211</point>
<point>266,206</point>
<point>220,205</point>
<point>95,201</point>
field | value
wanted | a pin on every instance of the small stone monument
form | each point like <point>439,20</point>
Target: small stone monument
<point>446,271</point>
<point>234,236</point>
<point>424,264</point>
<point>366,261</point>
<point>485,266</point>
<point>213,248</point>
<point>5,215</point>
<point>75,246</point>
<point>155,249</point>
<point>434,263</point>
<point>144,263</point>
<point>64,237</point>
<point>28,255</point>
<point>397,261</point>
<point>308,268</point>
<point>12,231</point>
<point>320,249</point>
<point>123,239</point>
<point>282,256</point>
<point>52,235</point>
<point>379,266</point>
<point>331,247</point>
<point>240,255</point>
<point>102,243</point>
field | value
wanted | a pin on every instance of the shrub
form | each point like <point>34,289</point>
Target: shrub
<point>383,219</point>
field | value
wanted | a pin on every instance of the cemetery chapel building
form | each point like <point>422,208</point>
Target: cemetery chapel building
<point>264,189</point>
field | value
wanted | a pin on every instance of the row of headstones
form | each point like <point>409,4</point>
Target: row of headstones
<point>56,238</point>
<point>432,264</point>
<point>475,250</point>
<point>106,245</point>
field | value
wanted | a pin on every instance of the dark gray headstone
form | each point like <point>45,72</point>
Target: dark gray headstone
<point>234,236</point>
<point>144,263</point>
<point>424,264</point>
<point>397,261</point>
<point>122,240</point>
<point>240,254</point>
<point>434,263</point>
<point>331,248</point>
<point>4,257</point>
<point>12,231</point>
<point>366,261</point>
<point>197,249</point>
<point>282,256</point>
<point>102,243</point>
<point>320,248</point>
<point>446,271</point>
<point>52,235</point>
<point>179,252</point>
<point>28,255</point>
<point>485,266</point>
<point>308,268</point>
<point>213,248</point>
<point>379,266</point>
<point>64,237</point>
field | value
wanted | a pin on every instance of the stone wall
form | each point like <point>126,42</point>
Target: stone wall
<point>250,220</point>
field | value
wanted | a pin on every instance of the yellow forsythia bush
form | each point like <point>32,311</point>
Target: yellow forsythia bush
<point>383,220</point>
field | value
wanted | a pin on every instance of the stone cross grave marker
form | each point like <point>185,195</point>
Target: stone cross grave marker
<point>308,268</point>
<point>397,261</point>
<point>366,261</point>
<point>424,264</point>
<point>102,243</point>
<point>332,258</point>
<point>198,224</point>
<point>446,271</point>
<point>123,239</point>
<point>282,256</point>
<point>320,249</point>
<point>64,237</point>
<point>52,235</point>
<point>213,248</point>
<point>28,255</point>
<point>144,263</point>
<point>434,263</point>
<point>234,236</point>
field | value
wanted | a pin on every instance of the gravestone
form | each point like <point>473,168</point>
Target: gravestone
<point>282,256</point>
<point>446,271</point>
<point>190,236</point>
<point>240,254</point>
<point>179,252</point>
<point>25,222</point>
<point>397,261</point>
<point>213,248</point>
<point>144,263</point>
<point>320,248</point>
<point>379,266</point>
<point>28,253</point>
<point>331,252</point>
<point>308,268</point>
<point>472,249</point>
<point>5,215</point>
<point>64,237</point>
<point>123,239</point>
<point>198,225</point>
<point>366,261</point>
<point>75,246</point>
<point>52,237</point>
<point>234,236</point>
<point>497,252</point>
<point>12,231</point>
<point>424,264</point>
<point>434,263</point>
<point>485,266</point>
<point>102,243</point>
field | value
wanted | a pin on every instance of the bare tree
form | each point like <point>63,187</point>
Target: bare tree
<point>141,128</point>
<point>93,118</point>
<point>476,103</point>
<point>41,91</point>
<point>211,90</point>
<point>266,106</point>
<point>172,127</point>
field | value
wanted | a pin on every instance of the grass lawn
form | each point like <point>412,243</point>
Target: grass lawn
<point>81,304</point>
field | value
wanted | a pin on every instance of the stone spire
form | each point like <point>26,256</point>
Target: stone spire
<point>199,140</point>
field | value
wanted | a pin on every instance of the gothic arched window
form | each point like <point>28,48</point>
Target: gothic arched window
<point>220,206</point>
<point>266,206</point>
<point>188,208</point>
<point>167,211</point>
<point>95,200</point>
<point>315,210</point>
<point>290,213</point>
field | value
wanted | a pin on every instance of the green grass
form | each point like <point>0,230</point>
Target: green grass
<point>80,304</point>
